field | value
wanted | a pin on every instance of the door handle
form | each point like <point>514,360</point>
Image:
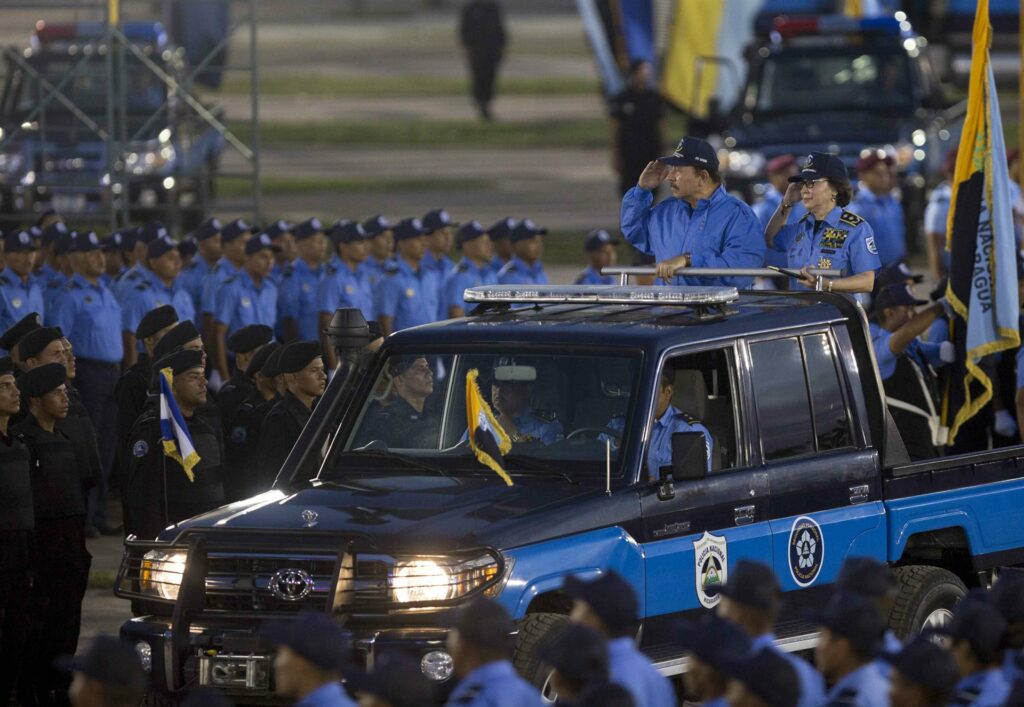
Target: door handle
<point>743,515</point>
<point>859,494</point>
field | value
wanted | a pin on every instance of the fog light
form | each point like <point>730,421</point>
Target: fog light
<point>437,665</point>
<point>145,653</point>
<point>147,198</point>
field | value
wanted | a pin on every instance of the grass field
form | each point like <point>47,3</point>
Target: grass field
<point>390,86</point>
<point>289,186</point>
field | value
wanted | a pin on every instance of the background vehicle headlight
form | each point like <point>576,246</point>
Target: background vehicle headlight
<point>161,573</point>
<point>10,162</point>
<point>741,163</point>
<point>437,579</point>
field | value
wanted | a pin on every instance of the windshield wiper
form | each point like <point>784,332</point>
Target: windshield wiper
<point>407,459</point>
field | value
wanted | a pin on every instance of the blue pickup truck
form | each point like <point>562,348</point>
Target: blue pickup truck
<point>387,527</point>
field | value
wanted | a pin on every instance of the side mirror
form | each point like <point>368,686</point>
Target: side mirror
<point>689,456</point>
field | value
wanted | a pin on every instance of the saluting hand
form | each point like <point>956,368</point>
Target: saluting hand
<point>792,195</point>
<point>653,175</point>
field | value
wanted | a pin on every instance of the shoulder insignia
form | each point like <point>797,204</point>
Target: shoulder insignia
<point>850,218</point>
<point>507,268</point>
<point>461,267</point>
<point>140,448</point>
<point>391,270</point>
<point>132,275</point>
<point>545,415</point>
<point>331,269</point>
<point>230,279</point>
<point>687,418</point>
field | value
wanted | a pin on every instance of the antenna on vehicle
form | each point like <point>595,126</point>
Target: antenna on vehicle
<point>608,467</point>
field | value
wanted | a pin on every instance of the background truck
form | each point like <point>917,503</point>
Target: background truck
<point>807,469</point>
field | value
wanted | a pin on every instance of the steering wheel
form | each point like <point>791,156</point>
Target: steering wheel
<point>579,432</point>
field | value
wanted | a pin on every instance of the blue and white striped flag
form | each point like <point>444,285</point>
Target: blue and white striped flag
<point>173,430</point>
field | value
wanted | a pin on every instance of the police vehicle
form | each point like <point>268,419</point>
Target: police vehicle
<point>805,469</point>
<point>53,149</point>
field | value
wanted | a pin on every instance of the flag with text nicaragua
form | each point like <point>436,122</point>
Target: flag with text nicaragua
<point>982,285</point>
<point>174,434</point>
<point>486,437</point>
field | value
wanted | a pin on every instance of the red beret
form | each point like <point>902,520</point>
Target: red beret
<point>869,158</point>
<point>777,164</point>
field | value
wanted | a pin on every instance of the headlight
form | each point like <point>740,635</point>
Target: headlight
<point>161,573</point>
<point>10,162</point>
<point>437,579</point>
<point>150,159</point>
<point>741,163</point>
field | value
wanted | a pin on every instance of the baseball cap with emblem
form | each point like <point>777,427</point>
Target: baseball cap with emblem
<point>712,639</point>
<point>924,662</point>
<point>278,228</point>
<point>160,247</point>
<point>234,229</point>
<point>313,635</point>
<point>261,242</point>
<point>692,152</point>
<point>822,165</point>
<point>83,242</point>
<point>502,229</point>
<point>896,296</point>
<point>113,243</point>
<point>485,623</point>
<point>156,320</point>
<point>526,229</point>
<point>350,232</point>
<point>408,228</point>
<point>42,379</point>
<point>896,273</point>
<point>768,675</point>
<point>19,241</point>
<point>207,229</point>
<point>469,231</point>
<point>54,231</point>
<point>110,661</point>
<point>855,618</point>
<point>308,228</point>
<point>151,230</point>
<point>751,584</point>
<point>436,219</point>
<point>609,596</point>
<point>188,247</point>
<point>375,225</point>
<point>598,239</point>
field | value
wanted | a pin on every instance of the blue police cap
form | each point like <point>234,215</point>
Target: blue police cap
<point>53,232</point>
<point>113,243</point>
<point>485,623</point>
<point>768,675</point>
<point>110,661</point>
<point>278,228</point>
<point>822,165</point>
<point>855,618</point>
<point>896,273</point>
<point>1007,594</point>
<point>315,637</point>
<point>469,231</point>
<point>692,152</point>
<point>207,229</point>
<point>261,242</point>
<point>375,225</point>
<point>349,232</point>
<point>83,242</point>
<point>150,231</point>
<point>309,227</point>
<point>161,246</point>
<point>502,229</point>
<point>610,597</point>
<point>925,663</point>
<point>526,229</point>
<point>895,296</point>
<point>234,229</point>
<point>18,241</point>
<point>188,248</point>
<point>436,219</point>
<point>597,239</point>
<point>712,639</point>
<point>978,623</point>
<point>396,678</point>
<point>408,228</point>
<point>866,577</point>
<point>751,584</point>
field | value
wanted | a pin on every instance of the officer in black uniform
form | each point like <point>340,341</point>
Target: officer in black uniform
<point>151,471</point>
<point>244,344</point>
<point>60,506</point>
<point>302,367</point>
<point>242,428</point>
<point>403,420</point>
<point>17,523</point>
<point>579,658</point>
<point>482,32</point>
<point>270,371</point>
<point>11,337</point>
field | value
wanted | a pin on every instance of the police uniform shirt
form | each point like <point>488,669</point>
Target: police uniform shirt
<point>769,204</point>
<point>50,284</point>
<point>633,670</point>
<point>721,232</point>
<point>885,215</point>
<point>18,299</point>
<point>330,695</point>
<point>279,270</point>
<point>404,295</point>
<point>375,270</point>
<point>841,241</point>
<point>343,287</point>
<point>242,302</point>
<point>464,275</point>
<point>123,287</point>
<point>591,276</point>
<point>812,685</point>
<point>439,266</point>
<point>864,687</point>
<point>297,298</point>
<point>671,421</point>
<point>494,685</point>
<point>987,688</point>
<point>212,284</point>
<point>924,353</point>
<point>497,264</point>
<point>517,272</point>
<point>191,280</point>
<point>150,294</point>
<point>90,318</point>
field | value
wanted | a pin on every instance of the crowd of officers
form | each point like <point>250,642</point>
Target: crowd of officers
<point>591,659</point>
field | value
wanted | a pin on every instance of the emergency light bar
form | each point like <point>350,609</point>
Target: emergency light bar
<point>601,294</point>
<point>838,24</point>
<point>84,32</point>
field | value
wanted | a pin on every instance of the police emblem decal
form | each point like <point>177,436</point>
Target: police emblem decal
<point>806,551</point>
<point>238,434</point>
<point>824,263</point>
<point>140,448</point>
<point>710,566</point>
<point>246,302</point>
<point>870,243</point>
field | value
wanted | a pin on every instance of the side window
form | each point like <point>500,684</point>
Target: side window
<point>780,389</point>
<point>831,422</point>
<point>703,392</point>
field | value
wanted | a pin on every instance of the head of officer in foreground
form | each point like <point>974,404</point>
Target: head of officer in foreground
<point>692,170</point>
<point>312,651</point>
<point>108,674</point>
<point>923,674</point>
<point>750,599</point>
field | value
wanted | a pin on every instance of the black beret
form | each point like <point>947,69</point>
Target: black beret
<point>271,366</point>
<point>297,355</point>
<point>12,336</point>
<point>180,360</point>
<point>36,340</point>
<point>249,337</point>
<point>156,319</point>
<point>181,334</point>
<point>42,379</point>
<point>256,364</point>
<point>6,366</point>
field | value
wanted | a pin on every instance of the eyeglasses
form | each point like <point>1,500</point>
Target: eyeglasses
<point>809,183</point>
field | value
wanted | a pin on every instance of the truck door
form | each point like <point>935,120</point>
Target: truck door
<point>825,490</point>
<point>692,539</point>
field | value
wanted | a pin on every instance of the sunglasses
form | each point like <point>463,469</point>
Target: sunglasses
<point>809,183</point>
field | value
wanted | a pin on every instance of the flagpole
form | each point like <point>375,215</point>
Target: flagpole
<point>163,472</point>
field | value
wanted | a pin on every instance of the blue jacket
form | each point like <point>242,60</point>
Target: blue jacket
<point>494,685</point>
<point>721,232</point>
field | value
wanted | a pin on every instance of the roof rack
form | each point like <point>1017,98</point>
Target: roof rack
<point>624,273</point>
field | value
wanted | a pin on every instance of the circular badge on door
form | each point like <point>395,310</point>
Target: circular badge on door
<point>806,550</point>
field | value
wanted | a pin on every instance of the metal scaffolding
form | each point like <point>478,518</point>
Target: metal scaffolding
<point>180,101</point>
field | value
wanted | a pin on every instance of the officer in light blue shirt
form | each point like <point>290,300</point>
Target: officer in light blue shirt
<point>233,237</point>
<point>114,249</point>
<point>873,580</point>
<point>701,226</point>
<point>144,235</point>
<point>207,238</point>
<point>48,269</point>
<point>525,267</point>
<point>282,235</point>
<point>1007,595</point>
<point>162,286</point>
<point>923,673</point>
<point>472,271</point>
<point>512,395</point>
<point>382,248</point>
<point>249,297</point>
<point>875,203</point>
<point>711,643</point>
<point>977,632</point>
<point>19,292</point>
<point>406,295</point>
<point>312,653</point>
<point>500,234</point>
<point>608,604</point>
<point>480,643</point>
<point>779,170</point>
<point>54,284</point>
<point>346,283</point>
<point>852,632</point>
<point>440,230</point>
<point>297,294</point>
<point>601,252</point>
<point>828,237</point>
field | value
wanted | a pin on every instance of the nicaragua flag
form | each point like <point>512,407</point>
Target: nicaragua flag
<point>173,430</point>
<point>982,285</point>
<point>486,437</point>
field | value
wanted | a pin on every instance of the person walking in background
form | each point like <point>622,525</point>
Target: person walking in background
<point>482,31</point>
<point>636,125</point>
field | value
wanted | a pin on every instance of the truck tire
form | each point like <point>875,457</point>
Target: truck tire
<point>534,629</point>
<point>925,599</point>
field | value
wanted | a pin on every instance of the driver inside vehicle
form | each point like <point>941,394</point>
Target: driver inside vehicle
<point>512,387</point>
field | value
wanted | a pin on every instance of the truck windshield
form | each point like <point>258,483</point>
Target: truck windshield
<point>808,81</point>
<point>564,415</point>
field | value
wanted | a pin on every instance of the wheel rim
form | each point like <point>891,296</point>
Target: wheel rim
<point>937,619</point>
<point>547,690</point>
